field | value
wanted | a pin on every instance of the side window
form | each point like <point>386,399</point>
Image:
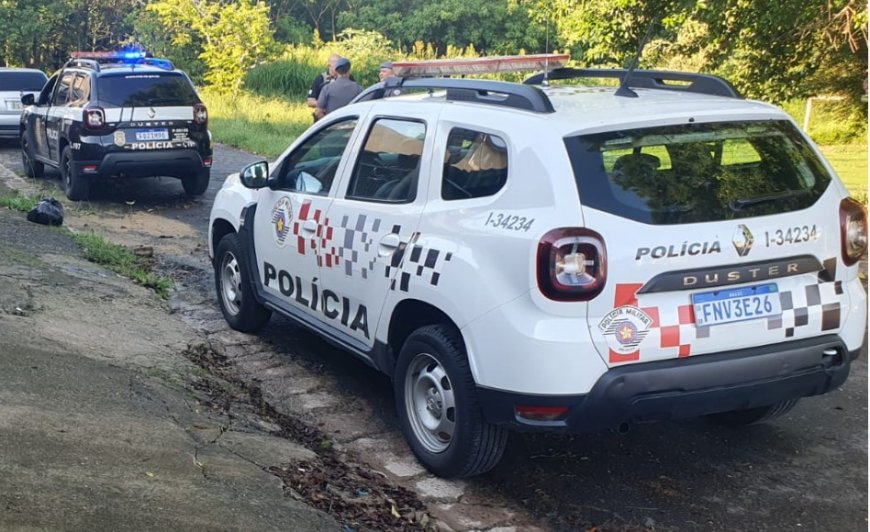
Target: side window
<point>389,165</point>
<point>475,166</point>
<point>81,89</point>
<point>312,165</point>
<point>61,96</point>
<point>45,93</point>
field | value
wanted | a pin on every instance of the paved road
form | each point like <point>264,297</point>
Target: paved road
<point>806,470</point>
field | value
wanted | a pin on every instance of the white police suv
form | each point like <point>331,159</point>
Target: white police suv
<point>549,256</point>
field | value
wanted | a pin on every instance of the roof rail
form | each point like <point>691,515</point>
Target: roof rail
<point>500,93</point>
<point>83,63</point>
<point>647,79</point>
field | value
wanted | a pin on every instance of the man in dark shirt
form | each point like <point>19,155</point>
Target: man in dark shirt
<point>338,92</point>
<point>322,80</point>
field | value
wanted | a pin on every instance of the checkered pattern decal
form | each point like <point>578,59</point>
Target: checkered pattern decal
<point>355,249</point>
<point>815,307</point>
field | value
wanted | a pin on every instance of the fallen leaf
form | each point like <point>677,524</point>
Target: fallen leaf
<point>396,513</point>
<point>149,474</point>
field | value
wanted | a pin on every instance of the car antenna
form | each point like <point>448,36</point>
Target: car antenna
<point>624,90</point>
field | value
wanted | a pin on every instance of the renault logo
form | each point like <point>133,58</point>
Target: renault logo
<point>742,240</point>
<point>152,113</point>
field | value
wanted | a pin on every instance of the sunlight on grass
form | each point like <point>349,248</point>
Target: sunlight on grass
<point>850,162</point>
<point>265,126</point>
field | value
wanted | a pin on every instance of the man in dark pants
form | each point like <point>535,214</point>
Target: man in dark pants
<point>338,92</point>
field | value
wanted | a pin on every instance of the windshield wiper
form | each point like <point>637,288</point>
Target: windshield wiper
<point>742,203</point>
<point>157,101</point>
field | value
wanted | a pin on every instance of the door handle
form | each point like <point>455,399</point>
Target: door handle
<point>309,226</point>
<point>388,244</point>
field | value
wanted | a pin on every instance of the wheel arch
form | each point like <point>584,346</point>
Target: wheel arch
<point>411,314</point>
<point>219,229</point>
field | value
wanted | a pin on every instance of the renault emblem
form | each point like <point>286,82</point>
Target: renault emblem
<point>743,240</point>
<point>152,113</point>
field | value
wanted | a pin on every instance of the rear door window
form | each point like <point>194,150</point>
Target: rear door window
<point>697,172</point>
<point>475,165</point>
<point>140,90</point>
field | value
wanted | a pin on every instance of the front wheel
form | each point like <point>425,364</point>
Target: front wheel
<point>32,167</point>
<point>234,285</point>
<point>751,416</point>
<point>197,184</point>
<point>438,407</point>
<point>75,186</point>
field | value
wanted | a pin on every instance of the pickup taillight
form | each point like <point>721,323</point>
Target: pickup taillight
<point>200,114</point>
<point>572,264</point>
<point>853,230</point>
<point>95,118</point>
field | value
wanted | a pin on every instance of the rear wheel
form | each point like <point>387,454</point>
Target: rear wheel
<point>32,167</point>
<point>438,407</point>
<point>75,186</point>
<point>196,185</point>
<point>233,282</point>
<point>751,416</point>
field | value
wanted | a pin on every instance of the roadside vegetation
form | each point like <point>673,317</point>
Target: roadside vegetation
<point>96,249</point>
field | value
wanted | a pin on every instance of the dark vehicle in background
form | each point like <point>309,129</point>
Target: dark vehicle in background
<point>117,115</point>
<point>15,83</point>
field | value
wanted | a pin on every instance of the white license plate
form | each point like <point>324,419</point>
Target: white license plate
<point>13,105</point>
<point>152,134</point>
<point>736,304</point>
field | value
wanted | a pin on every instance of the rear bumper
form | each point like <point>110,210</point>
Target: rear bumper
<point>688,387</point>
<point>172,163</point>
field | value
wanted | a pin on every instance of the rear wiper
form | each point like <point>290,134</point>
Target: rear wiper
<point>740,204</point>
<point>156,101</point>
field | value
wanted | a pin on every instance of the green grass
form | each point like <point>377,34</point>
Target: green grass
<point>123,261</point>
<point>18,202</point>
<point>258,124</point>
<point>850,162</point>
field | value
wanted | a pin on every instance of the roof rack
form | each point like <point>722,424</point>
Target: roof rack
<point>83,63</point>
<point>646,79</point>
<point>500,93</point>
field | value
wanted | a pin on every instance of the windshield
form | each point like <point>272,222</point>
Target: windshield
<point>140,90</point>
<point>22,81</point>
<point>697,172</point>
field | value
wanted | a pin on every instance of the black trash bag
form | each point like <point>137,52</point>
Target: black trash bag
<point>48,211</point>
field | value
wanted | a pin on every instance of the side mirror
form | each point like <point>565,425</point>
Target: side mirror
<point>28,99</point>
<point>255,175</point>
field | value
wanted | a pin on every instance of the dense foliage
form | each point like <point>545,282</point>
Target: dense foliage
<point>771,50</point>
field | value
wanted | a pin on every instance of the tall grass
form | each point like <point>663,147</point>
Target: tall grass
<point>258,124</point>
<point>831,121</point>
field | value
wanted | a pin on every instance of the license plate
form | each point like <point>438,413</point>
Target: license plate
<point>736,304</point>
<point>152,134</point>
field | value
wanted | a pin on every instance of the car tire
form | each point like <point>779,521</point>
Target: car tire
<point>438,408</point>
<point>751,416</point>
<point>234,286</point>
<point>32,167</point>
<point>75,186</point>
<point>196,185</point>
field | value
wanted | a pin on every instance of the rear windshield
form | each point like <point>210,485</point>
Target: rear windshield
<point>697,172</point>
<point>22,81</point>
<point>139,90</point>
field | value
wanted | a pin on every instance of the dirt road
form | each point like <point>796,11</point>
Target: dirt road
<point>806,470</point>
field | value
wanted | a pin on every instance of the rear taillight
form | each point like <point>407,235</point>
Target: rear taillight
<point>95,118</point>
<point>853,230</point>
<point>200,114</point>
<point>572,264</point>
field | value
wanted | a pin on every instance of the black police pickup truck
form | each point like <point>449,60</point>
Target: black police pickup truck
<point>117,115</point>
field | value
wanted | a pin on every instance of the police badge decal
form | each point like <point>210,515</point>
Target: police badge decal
<point>282,213</point>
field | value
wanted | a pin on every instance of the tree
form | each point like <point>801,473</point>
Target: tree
<point>231,36</point>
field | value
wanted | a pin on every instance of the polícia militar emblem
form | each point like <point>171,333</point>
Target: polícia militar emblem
<point>282,214</point>
<point>120,138</point>
<point>624,328</point>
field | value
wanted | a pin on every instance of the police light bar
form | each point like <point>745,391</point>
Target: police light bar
<point>481,65</point>
<point>109,56</point>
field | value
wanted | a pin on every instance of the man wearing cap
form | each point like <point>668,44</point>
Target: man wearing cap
<point>386,70</point>
<point>339,92</point>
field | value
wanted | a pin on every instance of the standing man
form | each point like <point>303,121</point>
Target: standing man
<point>386,70</point>
<point>338,92</point>
<point>321,81</point>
